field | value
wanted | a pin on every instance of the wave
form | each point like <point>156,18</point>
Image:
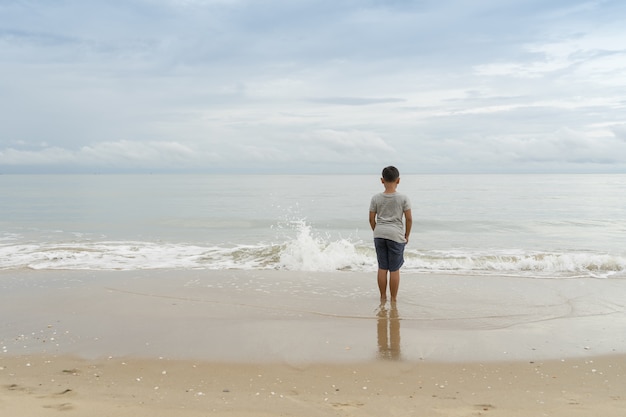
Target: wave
<point>540,264</point>
<point>304,252</point>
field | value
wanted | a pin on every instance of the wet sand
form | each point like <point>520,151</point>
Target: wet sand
<point>270,343</point>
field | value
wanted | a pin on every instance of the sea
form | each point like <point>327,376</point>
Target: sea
<point>535,226</point>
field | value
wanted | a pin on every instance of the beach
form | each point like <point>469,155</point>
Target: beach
<point>196,295</point>
<point>42,385</point>
<point>275,343</point>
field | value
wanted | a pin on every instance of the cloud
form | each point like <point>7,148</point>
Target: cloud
<point>567,146</point>
<point>312,86</point>
<point>120,155</point>
<point>168,154</point>
<point>356,101</point>
<point>46,156</point>
<point>349,142</point>
<point>619,130</point>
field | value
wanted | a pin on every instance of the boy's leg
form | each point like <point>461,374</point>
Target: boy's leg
<point>382,283</point>
<point>394,284</point>
<point>382,254</point>
<point>396,260</point>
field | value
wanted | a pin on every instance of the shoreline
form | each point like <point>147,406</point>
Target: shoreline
<point>279,343</point>
<point>301,317</point>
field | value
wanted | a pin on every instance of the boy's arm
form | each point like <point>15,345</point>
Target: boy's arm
<point>373,219</point>
<point>408,224</point>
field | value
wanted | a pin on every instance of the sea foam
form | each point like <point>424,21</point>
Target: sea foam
<point>304,250</point>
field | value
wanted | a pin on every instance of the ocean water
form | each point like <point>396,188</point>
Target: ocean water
<point>545,226</point>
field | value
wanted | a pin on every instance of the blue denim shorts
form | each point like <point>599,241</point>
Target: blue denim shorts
<point>390,254</point>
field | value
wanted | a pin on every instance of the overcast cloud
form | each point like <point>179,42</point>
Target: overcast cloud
<point>308,86</point>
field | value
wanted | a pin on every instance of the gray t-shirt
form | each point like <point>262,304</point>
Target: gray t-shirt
<point>389,209</point>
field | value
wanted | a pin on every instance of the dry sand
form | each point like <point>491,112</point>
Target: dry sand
<point>52,386</point>
<point>271,343</point>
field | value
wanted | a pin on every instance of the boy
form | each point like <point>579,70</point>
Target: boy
<point>390,235</point>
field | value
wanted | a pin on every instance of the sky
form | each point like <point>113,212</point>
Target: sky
<point>312,86</point>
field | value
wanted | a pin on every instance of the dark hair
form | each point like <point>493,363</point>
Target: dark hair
<point>390,174</point>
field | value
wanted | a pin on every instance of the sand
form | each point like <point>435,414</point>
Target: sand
<point>271,343</point>
<point>41,386</point>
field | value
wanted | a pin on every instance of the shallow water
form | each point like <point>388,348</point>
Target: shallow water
<point>557,226</point>
<point>288,316</point>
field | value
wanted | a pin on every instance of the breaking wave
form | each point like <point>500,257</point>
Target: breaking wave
<point>305,251</point>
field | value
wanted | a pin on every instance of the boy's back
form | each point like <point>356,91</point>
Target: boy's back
<point>389,209</point>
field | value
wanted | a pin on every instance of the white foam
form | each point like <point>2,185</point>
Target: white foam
<point>598,265</point>
<point>309,253</point>
<point>9,237</point>
<point>306,250</point>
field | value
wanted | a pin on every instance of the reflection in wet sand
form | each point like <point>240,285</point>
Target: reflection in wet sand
<point>388,330</point>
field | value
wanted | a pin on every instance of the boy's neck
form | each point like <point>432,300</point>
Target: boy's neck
<point>390,187</point>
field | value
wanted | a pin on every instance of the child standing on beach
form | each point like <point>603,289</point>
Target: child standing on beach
<point>390,234</point>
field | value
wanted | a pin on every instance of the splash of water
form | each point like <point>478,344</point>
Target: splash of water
<point>307,252</point>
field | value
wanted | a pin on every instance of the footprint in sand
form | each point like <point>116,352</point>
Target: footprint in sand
<point>60,407</point>
<point>346,406</point>
<point>66,406</point>
<point>484,407</point>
